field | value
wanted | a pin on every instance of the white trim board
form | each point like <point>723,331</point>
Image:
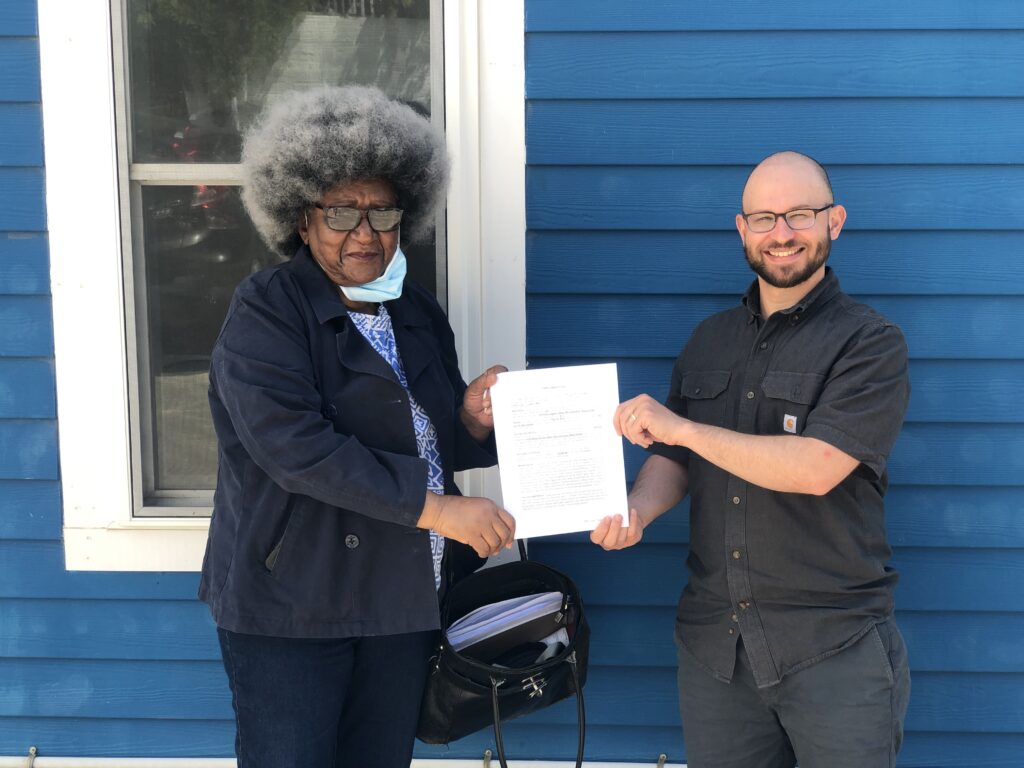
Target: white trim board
<point>484,111</point>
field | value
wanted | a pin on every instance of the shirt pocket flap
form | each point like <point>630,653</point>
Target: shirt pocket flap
<point>800,388</point>
<point>704,385</point>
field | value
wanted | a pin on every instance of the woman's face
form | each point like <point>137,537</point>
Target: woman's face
<point>359,255</point>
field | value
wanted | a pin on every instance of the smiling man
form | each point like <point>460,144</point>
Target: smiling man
<point>779,421</point>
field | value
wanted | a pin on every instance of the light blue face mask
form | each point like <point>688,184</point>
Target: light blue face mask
<point>385,288</point>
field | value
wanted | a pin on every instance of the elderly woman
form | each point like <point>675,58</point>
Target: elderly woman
<point>341,417</point>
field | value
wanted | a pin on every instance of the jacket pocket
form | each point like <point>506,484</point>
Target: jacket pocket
<point>283,541</point>
<point>704,393</point>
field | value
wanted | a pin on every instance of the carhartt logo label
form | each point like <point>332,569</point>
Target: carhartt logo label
<point>789,423</point>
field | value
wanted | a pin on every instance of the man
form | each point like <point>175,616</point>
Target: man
<point>779,420</point>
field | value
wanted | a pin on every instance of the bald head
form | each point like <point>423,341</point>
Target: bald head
<point>788,168</point>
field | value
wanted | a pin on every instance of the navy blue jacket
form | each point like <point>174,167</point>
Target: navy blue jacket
<point>319,484</point>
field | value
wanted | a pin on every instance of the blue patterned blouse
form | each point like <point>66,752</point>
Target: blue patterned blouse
<point>377,330</point>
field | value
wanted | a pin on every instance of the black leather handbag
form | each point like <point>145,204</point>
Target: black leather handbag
<point>466,692</point>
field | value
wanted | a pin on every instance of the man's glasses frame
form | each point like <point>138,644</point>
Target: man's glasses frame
<point>797,219</point>
<point>344,219</point>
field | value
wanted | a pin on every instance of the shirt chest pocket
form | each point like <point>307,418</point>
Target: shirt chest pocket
<point>789,398</point>
<point>704,394</point>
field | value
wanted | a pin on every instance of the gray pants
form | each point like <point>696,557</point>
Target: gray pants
<point>845,711</point>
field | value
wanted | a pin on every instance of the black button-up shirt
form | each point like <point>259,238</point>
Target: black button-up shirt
<point>800,577</point>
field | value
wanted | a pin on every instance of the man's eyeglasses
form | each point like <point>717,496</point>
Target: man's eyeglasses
<point>801,218</point>
<point>342,219</point>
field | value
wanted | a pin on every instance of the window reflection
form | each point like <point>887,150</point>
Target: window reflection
<point>202,71</point>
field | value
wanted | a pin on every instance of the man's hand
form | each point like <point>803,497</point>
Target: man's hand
<point>476,403</point>
<point>610,534</point>
<point>643,420</point>
<point>475,521</point>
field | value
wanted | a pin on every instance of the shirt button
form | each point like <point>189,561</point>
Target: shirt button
<point>732,631</point>
<point>735,554</point>
<point>763,345</point>
<point>735,499</point>
<point>750,395</point>
<point>351,541</point>
<point>735,617</point>
<point>744,605</point>
<point>696,391</point>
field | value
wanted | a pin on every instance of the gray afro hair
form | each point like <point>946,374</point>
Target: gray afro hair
<point>310,141</point>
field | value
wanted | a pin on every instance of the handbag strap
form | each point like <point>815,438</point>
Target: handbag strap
<point>581,715</point>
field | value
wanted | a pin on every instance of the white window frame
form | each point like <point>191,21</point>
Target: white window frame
<point>486,239</point>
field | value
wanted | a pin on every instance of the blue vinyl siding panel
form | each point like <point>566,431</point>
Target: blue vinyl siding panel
<point>643,121</point>
<point>25,260</point>
<point>804,64</point>
<point>753,15</point>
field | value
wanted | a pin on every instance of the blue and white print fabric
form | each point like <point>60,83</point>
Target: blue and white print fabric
<point>377,330</point>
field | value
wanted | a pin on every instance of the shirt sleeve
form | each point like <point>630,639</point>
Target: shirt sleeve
<point>262,377</point>
<point>861,407</point>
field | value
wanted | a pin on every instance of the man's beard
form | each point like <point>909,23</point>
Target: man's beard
<point>787,279</point>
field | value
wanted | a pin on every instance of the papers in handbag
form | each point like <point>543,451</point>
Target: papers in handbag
<point>494,628</point>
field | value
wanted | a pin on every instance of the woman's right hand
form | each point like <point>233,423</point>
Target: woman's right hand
<point>475,521</point>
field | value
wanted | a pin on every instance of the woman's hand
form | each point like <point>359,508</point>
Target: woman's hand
<point>610,534</point>
<point>475,521</point>
<point>476,403</point>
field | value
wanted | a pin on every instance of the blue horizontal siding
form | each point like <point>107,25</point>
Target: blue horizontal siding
<point>33,569</point>
<point>949,327</point>
<point>21,198</point>
<point>31,509</point>
<point>685,262</point>
<point>937,131</point>
<point>21,134</point>
<point>793,64</point>
<point>128,737</point>
<point>28,450</point>
<point>178,690</point>
<point>26,326</point>
<point>27,388</point>
<point>108,629</point>
<point>19,69</point>
<point>675,198</point>
<point>661,15</point>
<point>26,263</point>
<point>19,18</point>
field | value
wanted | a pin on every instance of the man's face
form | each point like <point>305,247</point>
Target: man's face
<point>784,257</point>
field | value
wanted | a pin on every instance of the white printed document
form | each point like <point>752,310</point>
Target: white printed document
<point>559,457</point>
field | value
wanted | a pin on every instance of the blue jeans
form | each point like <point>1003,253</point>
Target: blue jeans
<point>845,711</point>
<point>326,703</point>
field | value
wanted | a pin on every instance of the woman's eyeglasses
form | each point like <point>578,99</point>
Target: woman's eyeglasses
<point>344,219</point>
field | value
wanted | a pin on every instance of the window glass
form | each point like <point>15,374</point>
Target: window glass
<point>199,73</point>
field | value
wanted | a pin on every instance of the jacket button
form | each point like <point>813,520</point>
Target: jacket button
<point>332,411</point>
<point>351,541</point>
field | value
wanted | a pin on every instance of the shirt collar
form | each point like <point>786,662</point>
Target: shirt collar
<point>819,294</point>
